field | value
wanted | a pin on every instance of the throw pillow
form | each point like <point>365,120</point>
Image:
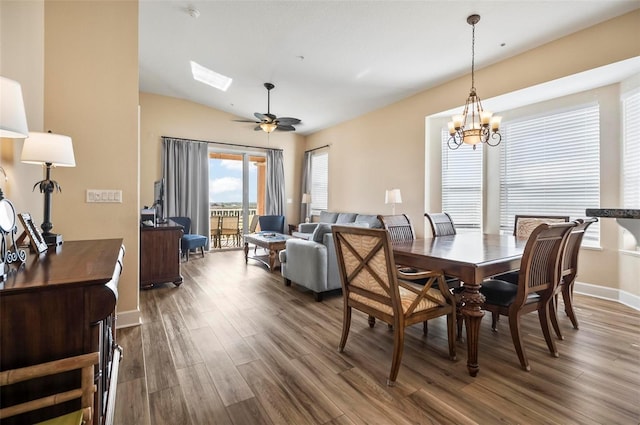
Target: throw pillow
<point>321,230</point>
<point>328,217</point>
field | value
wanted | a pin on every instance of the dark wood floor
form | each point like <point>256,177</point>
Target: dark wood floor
<point>233,345</point>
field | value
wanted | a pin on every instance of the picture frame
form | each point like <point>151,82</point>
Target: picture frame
<point>36,241</point>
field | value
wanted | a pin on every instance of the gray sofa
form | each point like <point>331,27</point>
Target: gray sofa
<point>309,259</point>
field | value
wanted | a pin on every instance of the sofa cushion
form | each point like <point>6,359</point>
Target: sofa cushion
<point>328,217</point>
<point>321,230</point>
<point>371,220</point>
<point>346,218</point>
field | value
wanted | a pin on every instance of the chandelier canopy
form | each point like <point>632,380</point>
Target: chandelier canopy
<point>475,125</point>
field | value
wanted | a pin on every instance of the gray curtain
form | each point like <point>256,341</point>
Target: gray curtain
<point>275,202</point>
<point>185,168</point>
<point>306,186</point>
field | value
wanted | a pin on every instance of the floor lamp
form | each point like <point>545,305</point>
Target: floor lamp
<point>49,150</point>
<point>306,201</point>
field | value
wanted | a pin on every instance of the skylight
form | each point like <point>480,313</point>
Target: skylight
<point>209,77</point>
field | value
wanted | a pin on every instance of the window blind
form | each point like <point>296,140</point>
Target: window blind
<point>319,182</point>
<point>462,183</point>
<point>631,155</point>
<point>550,165</point>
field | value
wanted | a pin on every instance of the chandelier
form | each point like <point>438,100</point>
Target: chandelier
<point>475,125</point>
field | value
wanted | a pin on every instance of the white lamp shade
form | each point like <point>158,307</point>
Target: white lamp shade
<point>13,120</point>
<point>306,198</point>
<point>40,148</point>
<point>393,196</point>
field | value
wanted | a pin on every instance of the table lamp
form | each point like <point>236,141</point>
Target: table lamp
<point>49,150</point>
<point>393,197</point>
<point>306,200</point>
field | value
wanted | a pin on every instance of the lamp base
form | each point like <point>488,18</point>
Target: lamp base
<point>52,239</point>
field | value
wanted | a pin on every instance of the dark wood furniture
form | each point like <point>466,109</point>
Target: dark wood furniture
<point>539,276</point>
<point>370,284</point>
<point>62,304</point>
<point>523,225</point>
<point>160,254</point>
<point>441,224</point>
<point>471,257</point>
<point>271,241</point>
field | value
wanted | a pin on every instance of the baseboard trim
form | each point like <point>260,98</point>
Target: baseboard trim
<point>612,294</point>
<point>126,319</point>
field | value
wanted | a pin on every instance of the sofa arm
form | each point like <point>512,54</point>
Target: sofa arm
<point>307,227</point>
<point>305,263</point>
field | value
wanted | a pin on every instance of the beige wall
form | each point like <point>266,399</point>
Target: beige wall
<point>386,148</point>
<point>79,78</point>
<point>167,116</point>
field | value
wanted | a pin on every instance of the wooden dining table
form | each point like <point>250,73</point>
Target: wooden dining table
<point>471,257</point>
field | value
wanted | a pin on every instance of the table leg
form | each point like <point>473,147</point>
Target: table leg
<point>272,259</point>
<point>246,252</point>
<point>472,300</point>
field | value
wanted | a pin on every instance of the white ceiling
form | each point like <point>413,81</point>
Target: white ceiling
<point>332,61</point>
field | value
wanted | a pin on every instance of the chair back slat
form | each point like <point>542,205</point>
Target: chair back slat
<point>441,224</point>
<point>525,224</point>
<point>399,227</point>
<point>570,260</point>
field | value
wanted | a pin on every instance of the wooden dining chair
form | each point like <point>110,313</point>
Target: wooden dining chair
<point>441,224</point>
<point>215,222</point>
<point>401,230</point>
<point>372,284</point>
<point>523,225</point>
<point>230,227</point>
<point>539,275</point>
<point>569,273</point>
<point>83,390</point>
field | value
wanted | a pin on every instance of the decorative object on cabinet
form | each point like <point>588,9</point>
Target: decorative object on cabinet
<point>8,248</point>
<point>393,197</point>
<point>63,306</point>
<point>50,150</point>
<point>36,242</point>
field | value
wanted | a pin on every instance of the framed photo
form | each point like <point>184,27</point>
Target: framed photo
<point>36,241</point>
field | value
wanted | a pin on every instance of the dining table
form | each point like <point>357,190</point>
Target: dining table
<point>470,257</point>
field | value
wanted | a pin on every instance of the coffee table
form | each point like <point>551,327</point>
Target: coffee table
<point>274,242</point>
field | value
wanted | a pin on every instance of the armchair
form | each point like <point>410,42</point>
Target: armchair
<point>189,241</point>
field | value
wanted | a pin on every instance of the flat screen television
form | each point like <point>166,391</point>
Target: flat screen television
<point>158,200</point>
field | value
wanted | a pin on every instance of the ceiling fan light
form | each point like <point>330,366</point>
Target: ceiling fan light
<point>268,126</point>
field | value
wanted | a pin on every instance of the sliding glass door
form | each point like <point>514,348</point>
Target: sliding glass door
<point>236,194</point>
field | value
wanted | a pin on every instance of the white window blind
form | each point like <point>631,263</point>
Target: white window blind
<point>462,183</point>
<point>631,158</point>
<point>319,182</point>
<point>550,165</point>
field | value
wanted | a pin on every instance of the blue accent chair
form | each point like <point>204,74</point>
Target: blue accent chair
<point>189,241</point>
<point>271,223</point>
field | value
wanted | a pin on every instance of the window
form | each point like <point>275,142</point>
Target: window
<point>631,154</point>
<point>462,184</point>
<point>319,182</point>
<point>550,164</point>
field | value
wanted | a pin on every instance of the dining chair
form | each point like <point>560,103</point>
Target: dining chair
<point>522,228</point>
<point>215,222</point>
<point>569,273</point>
<point>83,390</point>
<point>372,284</point>
<point>230,227</point>
<point>401,230</point>
<point>539,275</point>
<point>253,225</point>
<point>441,224</point>
<point>189,241</point>
<point>523,225</point>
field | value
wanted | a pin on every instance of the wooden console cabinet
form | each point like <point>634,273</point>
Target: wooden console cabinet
<point>62,304</point>
<point>160,254</point>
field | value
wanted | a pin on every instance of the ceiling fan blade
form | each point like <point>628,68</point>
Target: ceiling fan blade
<point>288,121</point>
<point>285,128</point>
<point>257,128</point>
<point>261,117</point>
<point>253,121</point>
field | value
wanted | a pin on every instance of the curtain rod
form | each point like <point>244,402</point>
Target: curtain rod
<point>221,143</point>
<point>315,149</point>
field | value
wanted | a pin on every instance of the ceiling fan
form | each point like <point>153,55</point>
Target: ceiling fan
<point>269,122</point>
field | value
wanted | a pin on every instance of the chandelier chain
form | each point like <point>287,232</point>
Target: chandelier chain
<point>473,56</point>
